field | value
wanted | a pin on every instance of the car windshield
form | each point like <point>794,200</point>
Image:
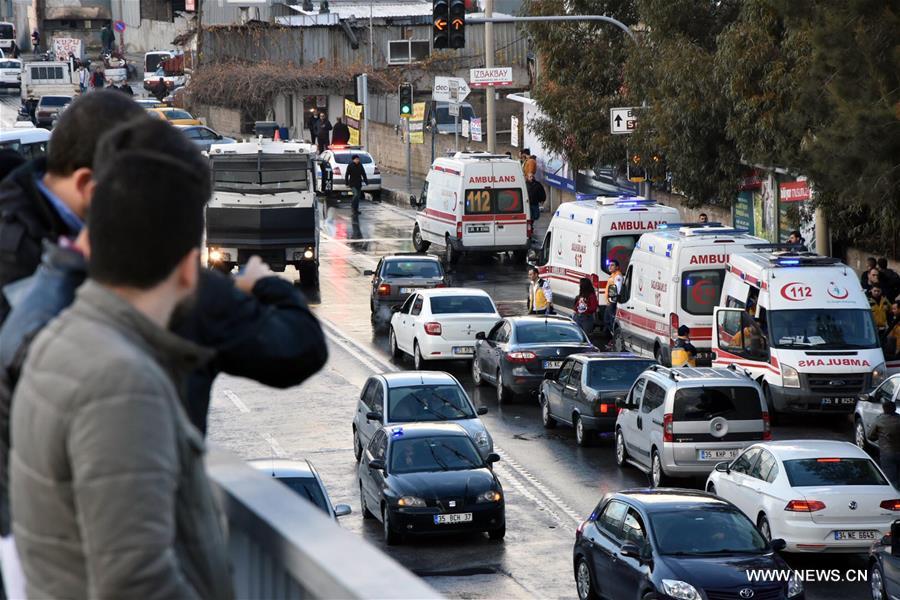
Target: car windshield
<point>615,374</point>
<point>412,268</point>
<point>706,403</point>
<point>543,332</point>
<point>439,453</point>
<point>699,531</point>
<point>344,158</point>
<point>445,305</point>
<point>178,114</point>
<point>309,488</point>
<point>832,471</point>
<point>55,100</point>
<point>6,32</point>
<point>428,403</point>
<point>823,329</point>
<point>10,64</point>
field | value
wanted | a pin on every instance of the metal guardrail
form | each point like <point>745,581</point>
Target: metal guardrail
<point>282,547</point>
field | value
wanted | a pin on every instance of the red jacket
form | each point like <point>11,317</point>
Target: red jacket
<point>591,305</point>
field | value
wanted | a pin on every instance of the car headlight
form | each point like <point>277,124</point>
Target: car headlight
<point>878,374</point>
<point>790,377</point>
<point>489,496</point>
<point>680,589</point>
<point>795,585</point>
<point>411,502</point>
<point>215,255</point>
<point>482,439</point>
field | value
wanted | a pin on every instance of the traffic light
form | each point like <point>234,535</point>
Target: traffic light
<point>440,28</point>
<point>406,100</point>
<point>457,23</point>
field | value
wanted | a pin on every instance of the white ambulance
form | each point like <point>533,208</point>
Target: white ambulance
<point>585,235</point>
<point>473,202</point>
<point>675,278</point>
<point>810,340</point>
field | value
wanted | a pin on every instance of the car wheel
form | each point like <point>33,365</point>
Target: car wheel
<point>583,581</point>
<point>657,475</point>
<point>658,356</point>
<point>621,451</point>
<point>395,349</point>
<point>582,435</point>
<point>451,256</point>
<point>498,534</point>
<point>764,528</point>
<point>504,395</point>
<point>357,446</point>
<point>859,434</point>
<point>366,513</point>
<point>476,371</point>
<point>876,582</point>
<point>711,488</point>
<point>391,537</point>
<point>418,361</point>
<point>770,404</point>
<point>546,418</point>
<point>419,242</point>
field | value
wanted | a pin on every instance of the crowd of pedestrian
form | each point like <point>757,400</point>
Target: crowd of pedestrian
<point>882,287</point>
<point>111,337</point>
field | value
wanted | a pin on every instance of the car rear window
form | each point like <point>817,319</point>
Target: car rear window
<point>10,64</point>
<point>344,158</point>
<point>615,374</point>
<point>494,201</point>
<point>308,488</point>
<point>700,290</point>
<point>706,403</point>
<point>618,248</point>
<point>6,32</point>
<point>178,114</point>
<point>412,268</point>
<point>444,305</point>
<point>548,331</point>
<point>55,100</point>
<point>832,471</point>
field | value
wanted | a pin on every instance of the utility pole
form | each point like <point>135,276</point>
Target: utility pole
<point>371,48</point>
<point>199,31</point>
<point>488,63</point>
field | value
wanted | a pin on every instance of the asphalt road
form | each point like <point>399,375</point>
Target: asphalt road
<point>550,483</point>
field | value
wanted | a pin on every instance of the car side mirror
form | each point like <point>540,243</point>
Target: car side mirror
<point>395,308</point>
<point>723,467</point>
<point>622,403</point>
<point>480,336</point>
<point>368,272</point>
<point>492,458</point>
<point>373,416</point>
<point>376,464</point>
<point>342,510</point>
<point>482,410</point>
<point>778,545</point>
<point>630,550</point>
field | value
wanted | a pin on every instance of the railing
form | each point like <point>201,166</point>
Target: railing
<point>283,547</point>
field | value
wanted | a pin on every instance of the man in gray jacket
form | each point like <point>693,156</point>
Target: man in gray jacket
<point>109,494</point>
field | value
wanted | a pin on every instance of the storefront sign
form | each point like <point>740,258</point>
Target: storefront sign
<point>794,191</point>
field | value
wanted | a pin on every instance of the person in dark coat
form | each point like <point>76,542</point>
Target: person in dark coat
<point>159,89</point>
<point>10,160</point>
<point>536,196</point>
<point>341,133</point>
<point>312,124</point>
<point>356,175</point>
<point>107,38</point>
<point>323,135</point>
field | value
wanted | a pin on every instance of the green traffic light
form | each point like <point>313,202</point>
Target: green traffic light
<point>405,109</point>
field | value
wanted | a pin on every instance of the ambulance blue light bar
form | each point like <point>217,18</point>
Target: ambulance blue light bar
<point>788,262</point>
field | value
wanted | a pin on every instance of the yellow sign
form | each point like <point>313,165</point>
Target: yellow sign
<point>353,110</point>
<point>418,111</point>
<point>354,137</point>
<point>416,124</point>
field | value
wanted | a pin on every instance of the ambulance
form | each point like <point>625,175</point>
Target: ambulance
<point>675,278</point>
<point>585,235</point>
<point>801,325</point>
<point>473,202</point>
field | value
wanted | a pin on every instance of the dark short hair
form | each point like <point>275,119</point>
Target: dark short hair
<point>796,234</point>
<point>147,210</point>
<point>81,125</point>
<point>876,287</point>
<point>684,330</point>
<point>533,269</point>
<point>354,157</point>
<point>871,259</point>
<point>612,262</point>
<point>882,263</point>
<point>525,150</point>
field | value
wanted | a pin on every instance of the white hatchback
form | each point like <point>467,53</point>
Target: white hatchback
<point>817,495</point>
<point>441,324</point>
<point>339,158</point>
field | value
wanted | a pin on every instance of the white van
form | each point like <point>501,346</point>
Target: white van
<point>473,202</point>
<point>585,235</point>
<point>810,342</point>
<point>675,278</point>
<point>30,142</point>
<point>152,62</point>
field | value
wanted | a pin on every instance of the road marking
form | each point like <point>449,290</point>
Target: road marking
<point>399,211</point>
<point>276,447</point>
<point>363,240</point>
<point>236,401</point>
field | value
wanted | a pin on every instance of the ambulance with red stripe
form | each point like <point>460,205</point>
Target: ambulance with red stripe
<point>801,325</point>
<point>473,202</point>
<point>585,235</point>
<point>675,278</point>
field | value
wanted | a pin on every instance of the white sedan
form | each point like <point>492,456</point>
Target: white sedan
<point>817,495</point>
<point>441,324</point>
<point>340,157</point>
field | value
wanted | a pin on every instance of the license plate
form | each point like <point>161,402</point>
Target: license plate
<point>870,534</point>
<point>718,454</point>
<point>409,290</point>
<point>478,228</point>
<point>552,364</point>
<point>452,518</point>
<point>703,355</point>
<point>846,401</point>
<point>464,350</point>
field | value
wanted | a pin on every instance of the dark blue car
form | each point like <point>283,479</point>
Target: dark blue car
<point>681,544</point>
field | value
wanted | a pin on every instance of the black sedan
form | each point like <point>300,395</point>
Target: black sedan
<point>518,351</point>
<point>672,543</point>
<point>425,478</point>
<point>884,566</point>
<point>584,391</point>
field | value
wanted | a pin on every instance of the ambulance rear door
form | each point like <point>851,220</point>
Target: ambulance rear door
<point>509,206</point>
<point>478,205</point>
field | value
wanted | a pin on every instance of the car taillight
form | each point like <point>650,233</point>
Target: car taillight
<point>384,289</point>
<point>433,328</point>
<point>529,228</point>
<point>668,428</point>
<point>459,230</point>
<point>673,328</point>
<point>337,170</point>
<point>767,427</point>
<point>890,505</point>
<point>520,357</point>
<point>440,285</point>
<point>804,506</point>
<point>604,409</point>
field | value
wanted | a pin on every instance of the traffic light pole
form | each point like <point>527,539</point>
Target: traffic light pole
<point>408,158</point>
<point>489,63</point>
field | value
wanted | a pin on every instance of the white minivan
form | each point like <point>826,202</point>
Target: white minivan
<point>585,235</point>
<point>473,202</point>
<point>675,278</point>
<point>810,340</point>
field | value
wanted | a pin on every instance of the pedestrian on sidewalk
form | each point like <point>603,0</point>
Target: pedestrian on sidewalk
<point>536,196</point>
<point>312,124</point>
<point>83,76</point>
<point>613,289</point>
<point>159,89</point>
<point>684,352</point>
<point>871,263</point>
<point>880,308</point>
<point>35,41</point>
<point>340,135</point>
<point>886,432</point>
<point>107,38</point>
<point>323,132</point>
<point>540,295</point>
<point>356,175</point>
<point>586,305</point>
<point>98,80</point>
<point>529,165</point>
<point>109,491</point>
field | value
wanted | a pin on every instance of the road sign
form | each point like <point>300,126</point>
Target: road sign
<point>453,109</point>
<point>475,130</point>
<point>492,76</point>
<point>119,26</point>
<point>622,120</point>
<point>514,131</point>
<point>441,90</point>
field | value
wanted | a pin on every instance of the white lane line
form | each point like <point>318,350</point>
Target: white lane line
<point>363,240</point>
<point>276,447</point>
<point>236,401</point>
<point>523,472</point>
<point>375,365</point>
